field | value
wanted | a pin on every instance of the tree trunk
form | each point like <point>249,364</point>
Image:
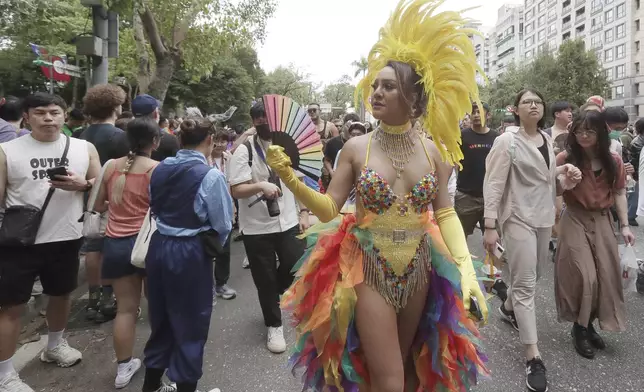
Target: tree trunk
<point>160,82</point>
<point>143,72</point>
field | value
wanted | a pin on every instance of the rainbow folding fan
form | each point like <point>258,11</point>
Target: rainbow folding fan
<point>294,130</point>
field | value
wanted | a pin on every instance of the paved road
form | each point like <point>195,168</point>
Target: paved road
<point>237,360</point>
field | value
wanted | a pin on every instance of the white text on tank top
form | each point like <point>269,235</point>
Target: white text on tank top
<point>28,184</point>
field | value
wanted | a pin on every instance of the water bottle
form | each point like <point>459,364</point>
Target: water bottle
<point>630,184</point>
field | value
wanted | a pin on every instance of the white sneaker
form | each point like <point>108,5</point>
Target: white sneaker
<point>245,263</point>
<point>275,342</point>
<point>125,373</point>
<point>12,383</point>
<point>63,355</point>
<point>167,388</point>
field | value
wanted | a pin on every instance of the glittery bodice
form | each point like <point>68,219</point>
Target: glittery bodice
<point>376,194</point>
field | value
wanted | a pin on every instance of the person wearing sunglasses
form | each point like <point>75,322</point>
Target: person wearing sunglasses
<point>326,129</point>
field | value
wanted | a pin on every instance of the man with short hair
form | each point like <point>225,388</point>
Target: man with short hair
<point>24,163</point>
<point>102,104</point>
<point>73,127</point>
<point>10,118</point>
<point>326,129</point>
<point>269,221</point>
<point>146,105</point>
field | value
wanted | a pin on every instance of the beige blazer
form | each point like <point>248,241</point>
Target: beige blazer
<point>518,182</point>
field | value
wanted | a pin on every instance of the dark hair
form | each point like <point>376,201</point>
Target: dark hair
<point>616,115</point>
<point>486,107</point>
<point>121,123</point>
<point>509,119</point>
<point>11,110</point>
<point>639,126</point>
<point>559,106</point>
<point>410,86</point>
<point>222,134</point>
<point>40,99</point>
<point>140,134</point>
<point>595,121</point>
<point>162,120</point>
<point>357,125</point>
<point>126,115</point>
<point>239,129</point>
<point>100,101</point>
<point>77,114</point>
<point>315,104</point>
<point>517,101</point>
<point>257,111</point>
<point>350,117</point>
<point>195,131</point>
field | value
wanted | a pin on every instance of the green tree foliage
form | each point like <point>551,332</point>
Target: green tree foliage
<point>571,74</point>
<point>339,94</point>
<point>361,66</point>
<point>290,82</point>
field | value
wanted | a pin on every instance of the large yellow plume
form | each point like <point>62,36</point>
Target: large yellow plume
<point>438,47</point>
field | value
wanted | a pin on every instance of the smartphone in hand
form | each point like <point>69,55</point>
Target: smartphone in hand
<point>56,171</point>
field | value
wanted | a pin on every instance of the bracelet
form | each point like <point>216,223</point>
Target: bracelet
<point>305,210</point>
<point>622,225</point>
<point>490,228</point>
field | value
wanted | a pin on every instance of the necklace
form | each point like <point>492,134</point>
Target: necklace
<point>398,143</point>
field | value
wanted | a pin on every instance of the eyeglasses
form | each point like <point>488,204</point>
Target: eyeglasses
<point>585,132</point>
<point>312,110</point>
<point>530,102</point>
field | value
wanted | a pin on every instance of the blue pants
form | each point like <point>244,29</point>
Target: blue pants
<point>632,202</point>
<point>180,281</point>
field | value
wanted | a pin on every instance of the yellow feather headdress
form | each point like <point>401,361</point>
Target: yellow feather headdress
<point>439,49</point>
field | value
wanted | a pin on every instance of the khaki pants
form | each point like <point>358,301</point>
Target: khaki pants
<point>526,251</point>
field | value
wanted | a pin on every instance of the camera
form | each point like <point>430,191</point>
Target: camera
<point>272,204</point>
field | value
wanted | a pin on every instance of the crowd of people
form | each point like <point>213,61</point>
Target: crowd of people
<point>395,204</point>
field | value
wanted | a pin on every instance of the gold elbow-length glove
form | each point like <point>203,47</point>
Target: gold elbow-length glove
<point>454,237</point>
<point>322,206</point>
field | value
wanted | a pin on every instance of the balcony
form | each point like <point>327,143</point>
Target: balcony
<point>566,26</point>
<point>566,10</point>
<point>596,27</point>
<point>552,33</point>
<point>501,41</point>
<point>597,46</point>
<point>580,18</point>
<point>596,8</point>
<point>579,2</point>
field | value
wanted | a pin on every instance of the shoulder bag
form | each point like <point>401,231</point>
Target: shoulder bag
<point>142,243</point>
<point>21,223</point>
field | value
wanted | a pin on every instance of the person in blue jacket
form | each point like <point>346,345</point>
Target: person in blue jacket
<point>193,210</point>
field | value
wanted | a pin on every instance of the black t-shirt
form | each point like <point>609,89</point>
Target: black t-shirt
<point>110,141</point>
<point>475,149</point>
<point>333,146</point>
<point>168,147</point>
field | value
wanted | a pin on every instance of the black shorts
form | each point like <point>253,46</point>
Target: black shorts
<point>92,245</point>
<point>55,262</point>
<point>117,258</point>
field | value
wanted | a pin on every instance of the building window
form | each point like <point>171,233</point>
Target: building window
<point>636,90</point>
<point>609,73</point>
<point>608,16</point>
<point>637,25</point>
<point>529,15</point>
<point>637,68</point>
<point>620,52</point>
<point>637,4</point>
<point>596,4</point>
<point>529,53</point>
<point>621,10</point>
<point>598,54</point>
<point>552,29</point>
<point>637,46</point>
<point>619,71</point>
<point>552,44</point>
<point>595,42</point>
<point>608,36</point>
<point>608,55</point>
<point>541,21</point>
<point>541,36</point>
<point>529,41</point>
<point>552,14</point>
<point>619,92</point>
<point>621,32</point>
<point>529,28</point>
<point>541,6</point>
<point>609,1</point>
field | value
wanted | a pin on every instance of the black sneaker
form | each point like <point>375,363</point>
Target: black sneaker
<point>633,222</point>
<point>93,304</point>
<point>639,283</point>
<point>508,316</point>
<point>500,289</point>
<point>535,372</point>
<point>106,308</point>
<point>595,338</point>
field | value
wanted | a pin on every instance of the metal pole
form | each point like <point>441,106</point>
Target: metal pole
<point>100,64</point>
<point>51,75</point>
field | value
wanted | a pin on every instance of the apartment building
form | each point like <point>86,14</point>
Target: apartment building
<point>610,27</point>
<point>480,48</point>
<point>505,40</point>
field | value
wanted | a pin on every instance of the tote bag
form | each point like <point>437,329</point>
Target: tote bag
<point>140,250</point>
<point>94,223</point>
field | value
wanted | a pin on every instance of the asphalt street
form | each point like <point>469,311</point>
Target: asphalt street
<point>237,360</point>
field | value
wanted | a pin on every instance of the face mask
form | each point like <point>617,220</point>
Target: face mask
<point>264,131</point>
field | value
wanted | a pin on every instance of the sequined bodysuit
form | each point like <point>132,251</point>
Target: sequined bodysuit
<point>398,263</point>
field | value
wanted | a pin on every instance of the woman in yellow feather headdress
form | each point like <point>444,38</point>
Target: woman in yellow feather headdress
<point>382,297</point>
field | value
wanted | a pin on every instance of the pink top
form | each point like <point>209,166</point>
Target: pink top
<point>126,218</point>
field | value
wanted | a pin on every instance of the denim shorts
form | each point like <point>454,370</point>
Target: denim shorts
<point>92,245</point>
<point>117,257</point>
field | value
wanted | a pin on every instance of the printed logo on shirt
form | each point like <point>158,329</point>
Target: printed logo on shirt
<point>480,145</point>
<point>40,166</point>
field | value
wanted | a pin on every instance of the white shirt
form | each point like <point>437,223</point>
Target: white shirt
<point>28,184</point>
<point>255,220</point>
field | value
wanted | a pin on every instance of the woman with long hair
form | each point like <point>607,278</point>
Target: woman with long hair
<point>588,279</point>
<point>193,211</point>
<point>519,192</point>
<point>382,300</point>
<point>125,185</point>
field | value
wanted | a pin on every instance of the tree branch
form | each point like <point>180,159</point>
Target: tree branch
<point>142,53</point>
<point>152,30</point>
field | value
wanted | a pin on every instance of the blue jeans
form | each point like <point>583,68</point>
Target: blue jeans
<point>632,199</point>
